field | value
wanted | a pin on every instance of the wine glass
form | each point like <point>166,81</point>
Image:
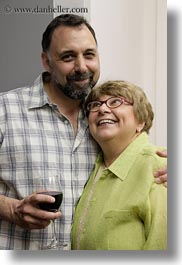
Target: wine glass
<point>51,186</point>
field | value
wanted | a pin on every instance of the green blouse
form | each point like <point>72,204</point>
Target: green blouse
<point>122,208</point>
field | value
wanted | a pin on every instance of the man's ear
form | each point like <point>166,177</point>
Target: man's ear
<point>46,62</point>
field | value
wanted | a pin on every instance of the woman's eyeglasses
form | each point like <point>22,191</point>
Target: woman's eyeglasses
<point>111,103</point>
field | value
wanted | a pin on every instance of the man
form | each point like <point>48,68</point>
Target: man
<point>43,130</point>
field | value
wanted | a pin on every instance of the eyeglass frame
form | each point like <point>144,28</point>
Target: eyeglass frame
<point>101,102</point>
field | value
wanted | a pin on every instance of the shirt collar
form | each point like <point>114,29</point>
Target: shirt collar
<point>38,96</point>
<point>121,166</point>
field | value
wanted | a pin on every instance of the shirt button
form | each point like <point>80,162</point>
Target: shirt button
<point>66,121</point>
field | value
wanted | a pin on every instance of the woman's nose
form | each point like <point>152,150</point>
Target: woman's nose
<point>104,108</point>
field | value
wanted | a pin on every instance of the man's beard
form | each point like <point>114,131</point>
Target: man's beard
<point>76,91</point>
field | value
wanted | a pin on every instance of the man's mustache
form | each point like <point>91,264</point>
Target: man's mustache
<point>80,76</point>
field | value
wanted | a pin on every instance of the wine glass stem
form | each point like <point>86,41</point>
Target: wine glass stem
<point>54,237</point>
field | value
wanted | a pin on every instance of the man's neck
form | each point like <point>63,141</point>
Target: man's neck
<point>67,106</point>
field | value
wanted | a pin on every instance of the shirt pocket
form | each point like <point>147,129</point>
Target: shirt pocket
<point>119,215</point>
<point>121,230</point>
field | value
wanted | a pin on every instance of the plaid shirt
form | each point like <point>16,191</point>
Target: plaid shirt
<point>37,140</point>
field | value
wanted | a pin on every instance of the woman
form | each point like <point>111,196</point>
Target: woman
<point>121,207</point>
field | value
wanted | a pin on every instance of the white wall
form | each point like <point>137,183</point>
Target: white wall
<point>132,44</point>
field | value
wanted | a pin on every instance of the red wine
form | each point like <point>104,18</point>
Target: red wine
<point>52,207</point>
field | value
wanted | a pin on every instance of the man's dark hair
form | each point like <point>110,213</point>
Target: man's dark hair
<point>68,20</point>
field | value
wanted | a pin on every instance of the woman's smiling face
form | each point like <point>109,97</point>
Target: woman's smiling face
<point>118,123</point>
